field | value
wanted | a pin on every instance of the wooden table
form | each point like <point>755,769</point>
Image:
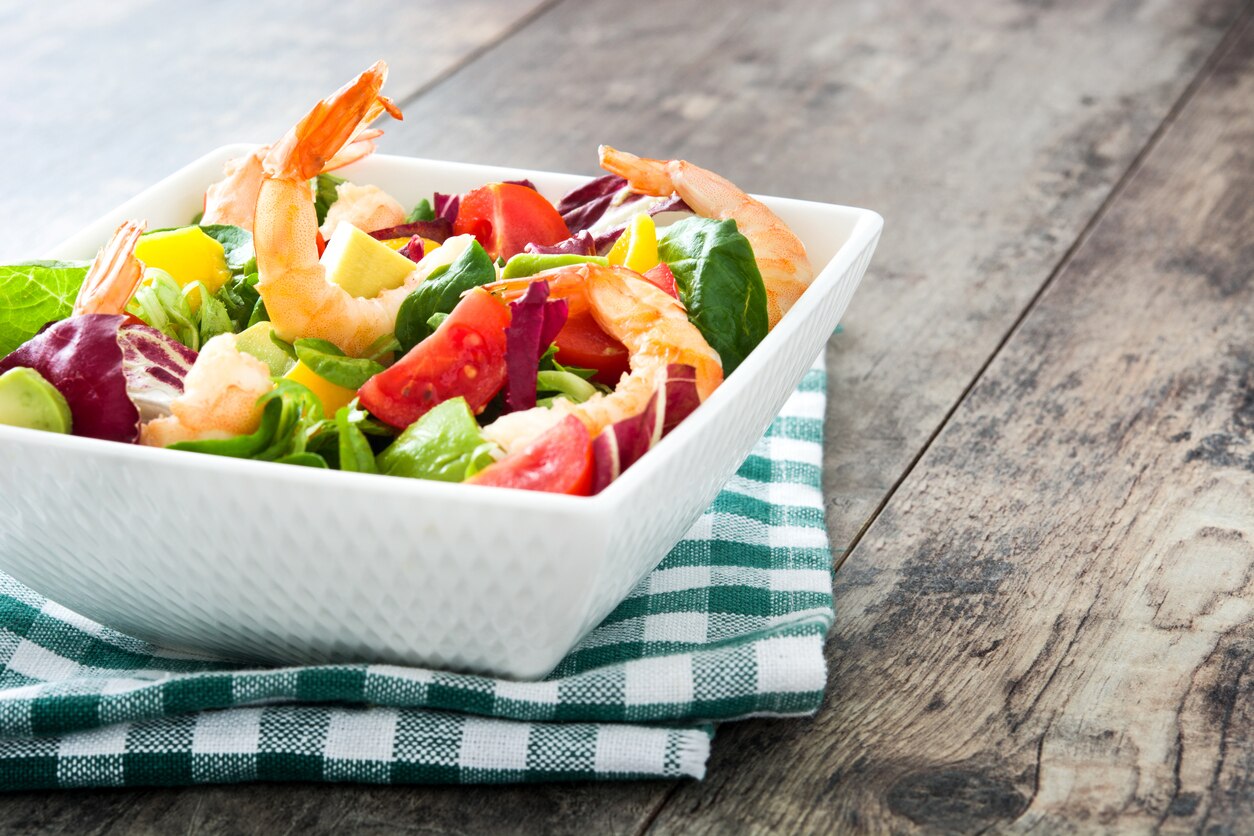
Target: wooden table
<point>1040,463</point>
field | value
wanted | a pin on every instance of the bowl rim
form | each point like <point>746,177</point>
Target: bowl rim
<point>867,226</point>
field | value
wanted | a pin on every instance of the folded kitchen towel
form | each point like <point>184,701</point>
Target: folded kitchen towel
<point>730,625</point>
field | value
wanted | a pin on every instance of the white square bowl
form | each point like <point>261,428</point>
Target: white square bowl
<point>278,564</point>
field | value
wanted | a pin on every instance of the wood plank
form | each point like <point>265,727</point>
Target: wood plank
<point>273,809</point>
<point>99,101</point>
<point>1011,170</point>
<point>1050,626</point>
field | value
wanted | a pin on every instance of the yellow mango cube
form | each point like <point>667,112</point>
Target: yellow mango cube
<point>188,255</point>
<point>636,248</point>
<point>332,396</point>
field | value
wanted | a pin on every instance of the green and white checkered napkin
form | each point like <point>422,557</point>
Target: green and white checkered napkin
<point>730,625</point>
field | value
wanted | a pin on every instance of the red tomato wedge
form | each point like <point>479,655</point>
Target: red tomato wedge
<point>465,356</point>
<point>559,461</point>
<point>505,218</point>
<point>582,343</point>
<point>662,278</point>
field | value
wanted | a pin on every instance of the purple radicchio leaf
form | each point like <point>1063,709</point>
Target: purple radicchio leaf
<point>110,374</point>
<point>525,183</point>
<point>446,205</point>
<point>555,313</point>
<point>439,230</point>
<point>581,243</point>
<point>621,444</point>
<point>582,207</point>
<point>534,323</point>
<point>155,367</point>
<point>682,396</point>
<point>414,250</point>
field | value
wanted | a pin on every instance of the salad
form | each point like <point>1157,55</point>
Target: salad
<point>489,337</point>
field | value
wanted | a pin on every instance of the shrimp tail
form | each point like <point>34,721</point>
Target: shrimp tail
<point>334,131</point>
<point>644,175</point>
<point>114,274</point>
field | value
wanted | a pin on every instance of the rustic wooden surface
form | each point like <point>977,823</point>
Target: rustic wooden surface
<point>1040,453</point>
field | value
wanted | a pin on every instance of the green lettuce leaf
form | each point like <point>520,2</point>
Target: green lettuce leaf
<point>353,447</point>
<point>325,194</point>
<point>445,445</point>
<point>242,302</point>
<point>719,284</point>
<point>160,302</point>
<point>34,294</point>
<point>571,382</point>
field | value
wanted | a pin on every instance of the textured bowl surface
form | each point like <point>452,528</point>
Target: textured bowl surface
<point>279,564</point>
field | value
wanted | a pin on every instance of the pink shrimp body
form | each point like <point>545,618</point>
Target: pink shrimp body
<point>219,397</point>
<point>293,283</point>
<point>233,199</point>
<point>780,255</point>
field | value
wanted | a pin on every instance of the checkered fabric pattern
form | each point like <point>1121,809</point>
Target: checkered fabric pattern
<point>730,625</point>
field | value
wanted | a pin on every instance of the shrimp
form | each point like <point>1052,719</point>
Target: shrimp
<point>114,274</point>
<point>293,283</point>
<point>651,323</point>
<point>780,255</point>
<point>233,199</point>
<point>219,397</point>
<point>365,207</point>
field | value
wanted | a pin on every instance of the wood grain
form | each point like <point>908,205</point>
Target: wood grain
<point>1050,626</point>
<point>100,100</point>
<point>987,133</point>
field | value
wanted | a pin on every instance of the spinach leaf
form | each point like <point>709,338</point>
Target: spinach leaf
<point>34,294</point>
<point>421,212</point>
<point>445,444</point>
<point>284,346</point>
<point>382,349</point>
<point>719,283</point>
<point>327,361</point>
<point>440,293</point>
<point>242,302</point>
<point>238,244</point>
<point>325,194</point>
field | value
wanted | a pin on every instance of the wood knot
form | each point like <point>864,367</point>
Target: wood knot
<point>956,799</point>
